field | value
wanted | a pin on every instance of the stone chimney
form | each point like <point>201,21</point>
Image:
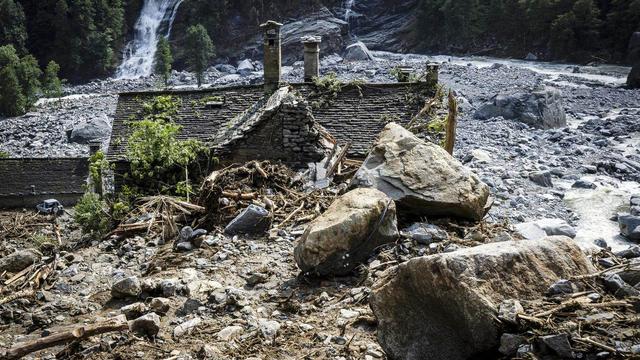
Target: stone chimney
<point>272,55</point>
<point>94,147</point>
<point>311,57</point>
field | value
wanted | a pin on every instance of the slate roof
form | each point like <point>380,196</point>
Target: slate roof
<point>356,115</point>
<point>42,176</point>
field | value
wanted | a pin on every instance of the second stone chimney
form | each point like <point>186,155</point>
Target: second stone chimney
<point>311,57</point>
<point>272,55</point>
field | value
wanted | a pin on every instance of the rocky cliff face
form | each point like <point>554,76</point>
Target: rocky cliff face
<point>234,28</point>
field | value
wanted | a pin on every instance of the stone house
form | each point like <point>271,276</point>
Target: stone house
<point>294,123</point>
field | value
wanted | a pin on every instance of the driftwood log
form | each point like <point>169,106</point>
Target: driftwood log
<point>78,333</point>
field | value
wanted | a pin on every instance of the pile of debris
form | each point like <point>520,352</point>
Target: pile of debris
<point>596,315</point>
<point>269,186</point>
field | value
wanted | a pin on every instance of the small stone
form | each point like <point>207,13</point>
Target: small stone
<point>230,333</point>
<point>629,226</point>
<point>583,184</point>
<point>127,287</point>
<point>269,329</point>
<point>602,243</point>
<point>561,287</point>
<point>614,284</point>
<point>509,343</point>
<point>542,178</point>
<point>160,305</point>
<point>348,314</point>
<point>186,327</point>
<point>134,310</point>
<point>559,344</point>
<point>190,306</point>
<point>252,220</point>
<point>607,262</point>
<point>148,325</point>
<point>509,310</point>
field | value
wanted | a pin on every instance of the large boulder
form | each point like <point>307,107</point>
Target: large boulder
<point>421,177</point>
<point>541,109</point>
<point>445,306</point>
<point>321,23</point>
<point>357,52</point>
<point>347,233</point>
<point>96,129</point>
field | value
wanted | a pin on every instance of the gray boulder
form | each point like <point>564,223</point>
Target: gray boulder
<point>629,226</point>
<point>347,233</point>
<point>18,260</point>
<point>245,67</point>
<point>147,325</point>
<point>445,306</point>
<point>421,177</point>
<point>96,129</point>
<point>252,220</point>
<point>540,109</point>
<point>321,23</point>
<point>357,52</point>
<point>542,178</point>
<point>226,68</point>
<point>127,287</point>
<point>545,227</point>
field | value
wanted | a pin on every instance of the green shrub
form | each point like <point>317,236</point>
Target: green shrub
<point>158,159</point>
<point>4,155</point>
<point>91,214</point>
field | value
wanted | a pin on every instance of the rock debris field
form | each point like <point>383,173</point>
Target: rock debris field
<point>535,258</point>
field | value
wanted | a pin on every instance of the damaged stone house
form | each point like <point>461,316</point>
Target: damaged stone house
<point>296,123</point>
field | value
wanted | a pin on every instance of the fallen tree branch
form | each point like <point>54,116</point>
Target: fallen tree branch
<point>18,295</point>
<point>82,332</point>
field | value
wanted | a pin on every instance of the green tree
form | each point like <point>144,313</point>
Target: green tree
<point>29,74</point>
<point>163,59</point>
<point>51,83</point>
<point>199,48</point>
<point>12,25</point>
<point>12,101</point>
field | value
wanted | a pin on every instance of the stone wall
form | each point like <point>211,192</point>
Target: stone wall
<point>28,181</point>
<point>289,134</point>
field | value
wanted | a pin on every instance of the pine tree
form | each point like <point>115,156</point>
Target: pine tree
<point>51,83</point>
<point>29,74</point>
<point>12,101</point>
<point>164,59</point>
<point>12,25</point>
<point>199,49</point>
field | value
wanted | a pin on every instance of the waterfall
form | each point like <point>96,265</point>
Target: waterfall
<point>348,13</point>
<point>156,19</point>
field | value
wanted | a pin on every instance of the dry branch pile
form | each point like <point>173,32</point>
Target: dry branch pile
<point>158,216</point>
<point>275,187</point>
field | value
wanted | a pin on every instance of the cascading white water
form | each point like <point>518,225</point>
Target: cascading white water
<point>348,13</point>
<point>348,6</point>
<point>156,19</point>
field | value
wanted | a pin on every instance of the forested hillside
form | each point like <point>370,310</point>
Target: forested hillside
<point>574,30</point>
<point>86,37</point>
